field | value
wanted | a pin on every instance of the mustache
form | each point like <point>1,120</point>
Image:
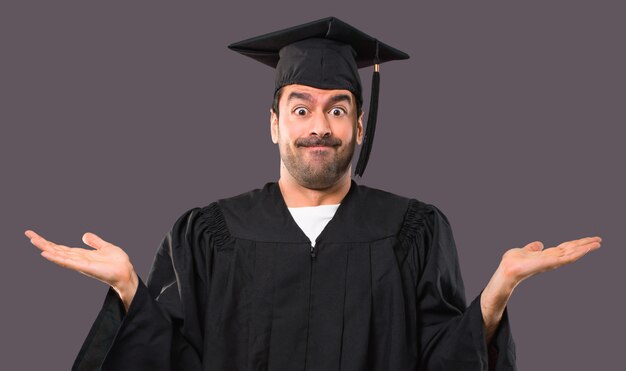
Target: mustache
<point>317,141</point>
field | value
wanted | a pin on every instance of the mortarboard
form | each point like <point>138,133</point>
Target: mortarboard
<point>325,54</point>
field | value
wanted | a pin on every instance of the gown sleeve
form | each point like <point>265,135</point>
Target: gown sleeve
<point>162,329</point>
<point>452,336</point>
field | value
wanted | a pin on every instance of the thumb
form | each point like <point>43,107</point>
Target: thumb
<point>534,246</point>
<point>92,240</point>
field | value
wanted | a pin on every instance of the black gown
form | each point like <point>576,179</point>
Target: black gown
<point>236,286</point>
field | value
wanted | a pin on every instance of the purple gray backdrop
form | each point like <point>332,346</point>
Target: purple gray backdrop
<point>509,116</point>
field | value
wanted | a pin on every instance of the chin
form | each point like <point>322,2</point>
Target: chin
<point>319,181</point>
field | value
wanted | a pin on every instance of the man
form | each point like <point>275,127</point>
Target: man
<point>313,272</point>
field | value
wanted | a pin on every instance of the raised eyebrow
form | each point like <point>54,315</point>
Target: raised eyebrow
<point>298,95</point>
<point>340,98</point>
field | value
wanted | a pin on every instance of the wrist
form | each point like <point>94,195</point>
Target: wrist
<point>127,288</point>
<point>497,292</point>
<point>505,280</point>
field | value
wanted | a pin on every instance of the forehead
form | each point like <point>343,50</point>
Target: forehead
<point>314,93</point>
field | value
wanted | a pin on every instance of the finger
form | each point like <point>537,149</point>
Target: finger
<point>575,253</point>
<point>534,246</point>
<point>45,245</point>
<point>41,243</point>
<point>563,251</point>
<point>587,244</point>
<point>92,240</point>
<point>36,239</point>
<point>31,234</point>
<point>74,252</point>
<point>66,261</point>
<point>584,248</point>
<point>580,241</point>
<point>595,246</point>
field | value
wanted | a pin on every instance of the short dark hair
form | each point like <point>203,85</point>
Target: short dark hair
<point>277,96</point>
<point>279,92</point>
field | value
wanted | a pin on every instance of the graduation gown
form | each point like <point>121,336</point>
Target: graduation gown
<point>236,285</point>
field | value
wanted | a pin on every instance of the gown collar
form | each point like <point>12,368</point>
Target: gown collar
<point>365,214</point>
<point>293,227</point>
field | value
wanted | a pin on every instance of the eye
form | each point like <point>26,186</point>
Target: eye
<point>301,111</point>
<point>338,111</point>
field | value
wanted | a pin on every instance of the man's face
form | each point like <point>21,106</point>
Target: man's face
<point>316,132</point>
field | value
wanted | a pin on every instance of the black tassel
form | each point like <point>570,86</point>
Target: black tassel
<point>366,147</point>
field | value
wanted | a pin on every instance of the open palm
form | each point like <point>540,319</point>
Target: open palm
<point>521,263</point>
<point>106,262</point>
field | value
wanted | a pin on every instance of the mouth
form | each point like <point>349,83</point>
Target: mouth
<point>318,147</point>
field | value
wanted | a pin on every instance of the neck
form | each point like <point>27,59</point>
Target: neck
<point>297,195</point>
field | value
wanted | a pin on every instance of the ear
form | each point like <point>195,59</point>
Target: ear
<point>274,126</point>
<point>359,129</point>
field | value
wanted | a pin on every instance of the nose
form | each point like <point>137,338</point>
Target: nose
<point>320,125</point>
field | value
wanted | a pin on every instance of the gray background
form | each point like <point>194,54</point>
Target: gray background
<point>509,116</point>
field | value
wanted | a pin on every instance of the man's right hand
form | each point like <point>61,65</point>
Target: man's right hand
<point>107,262</point>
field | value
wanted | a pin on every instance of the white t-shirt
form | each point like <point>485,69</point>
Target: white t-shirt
<point>313,219</point>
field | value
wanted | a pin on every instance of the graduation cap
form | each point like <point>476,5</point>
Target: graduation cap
<point>325,54</point>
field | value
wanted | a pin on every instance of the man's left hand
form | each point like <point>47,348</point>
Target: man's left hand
<point>520,263</point>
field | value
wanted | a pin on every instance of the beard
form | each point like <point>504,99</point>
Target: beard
<point>318,169</point>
